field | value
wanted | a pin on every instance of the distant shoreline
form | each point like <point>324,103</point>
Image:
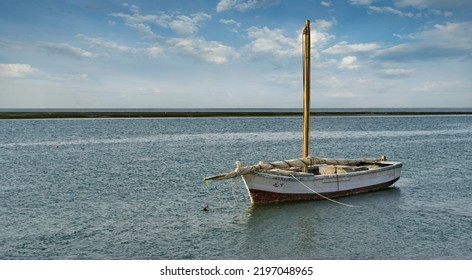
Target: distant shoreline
<point>207,114</point>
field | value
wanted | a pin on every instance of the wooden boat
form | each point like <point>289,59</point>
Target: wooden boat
<point>311,178</point>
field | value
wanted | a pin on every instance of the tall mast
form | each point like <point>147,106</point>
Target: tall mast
<point>306,89</point>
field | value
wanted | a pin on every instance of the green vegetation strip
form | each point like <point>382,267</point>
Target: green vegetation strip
<point>124,114</point>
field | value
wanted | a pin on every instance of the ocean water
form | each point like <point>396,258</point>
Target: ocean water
<point>134,189</point>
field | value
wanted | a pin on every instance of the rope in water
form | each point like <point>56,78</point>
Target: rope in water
<point>325,197</point>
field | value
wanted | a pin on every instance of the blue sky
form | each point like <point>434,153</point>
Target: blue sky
<point>234,53</point>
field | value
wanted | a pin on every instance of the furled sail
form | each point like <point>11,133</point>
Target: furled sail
<point>287,164</point>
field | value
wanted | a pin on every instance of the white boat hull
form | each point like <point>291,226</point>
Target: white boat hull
<point>272,187</point>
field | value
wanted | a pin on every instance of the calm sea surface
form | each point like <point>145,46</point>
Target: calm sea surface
<point>133,189</point>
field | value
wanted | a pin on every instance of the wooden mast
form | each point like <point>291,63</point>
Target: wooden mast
<point>306,89</point>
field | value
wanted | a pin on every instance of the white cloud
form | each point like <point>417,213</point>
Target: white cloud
<point>326,3</point>
<point>361,2</point>
<point>99,42</point>
<point>437,87</point>
<point>348,62</point>
<point>138,21</point>
<point>272,43</point>
<point>397,72</point>
<point>388,10</point>
<point>16,70</point>
<point>68,77</point>
<point>275,43</point>
<point>448,14</point>
<point>323,25</point>
<point>200,49</point>
<point>435,12</point>
<point>225,5</point>
<point>27,71</point>
<point>178,23</point>
<point>413,3</point>
<point>188,44</point>
<point>422,5</point>
<point>404,36</point>
<point>456,35</point>
<point>232,24</point>
<point>287,80</point>
<point>432,3</point>
<point>188,25</point>
<point>325,63</point>
<point>330,82</point>
<point>154,50</point>
<point>450,40</point>
<point>162,20</point>
<point>66,49</point>
<point>149,91</point>
<point>244,5</point>
<point>10,44</point>
<point>183,25</point>
<point>345,48</point>
<point>319,39</point>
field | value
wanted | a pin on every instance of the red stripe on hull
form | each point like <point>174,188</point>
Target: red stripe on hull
<point>259,196</point>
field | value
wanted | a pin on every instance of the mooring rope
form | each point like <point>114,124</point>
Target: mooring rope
<point>325,197</point>
<point>209,197</point>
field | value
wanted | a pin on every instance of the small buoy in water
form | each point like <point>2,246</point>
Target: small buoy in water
<point>57,147</point>
<point>205,208</point>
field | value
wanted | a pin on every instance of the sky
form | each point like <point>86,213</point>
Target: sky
<point>234,53</point>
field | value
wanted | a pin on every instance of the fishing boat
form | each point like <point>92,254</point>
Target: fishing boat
<point>309,177</point>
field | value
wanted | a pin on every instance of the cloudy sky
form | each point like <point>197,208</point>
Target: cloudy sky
<point>234,53</point>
